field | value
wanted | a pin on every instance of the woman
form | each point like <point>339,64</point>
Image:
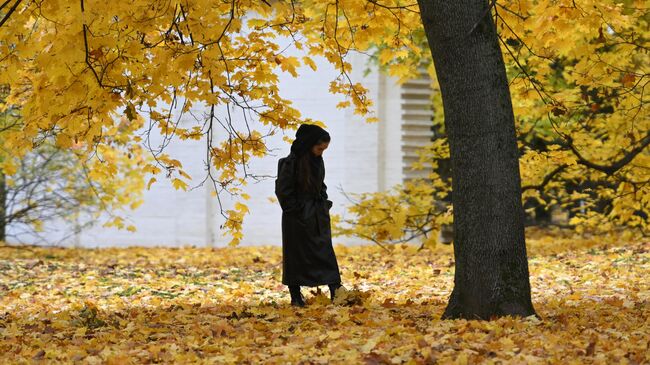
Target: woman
<point>307,254</point>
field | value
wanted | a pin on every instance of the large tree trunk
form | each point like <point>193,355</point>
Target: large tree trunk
<point>491,277</point>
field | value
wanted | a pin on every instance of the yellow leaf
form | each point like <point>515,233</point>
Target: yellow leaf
<point>290,64</point>
<point>309,62</point>
<point>241,207</point>
<point>179,184</point>
<point>256,23</point>
<point>151,181</point>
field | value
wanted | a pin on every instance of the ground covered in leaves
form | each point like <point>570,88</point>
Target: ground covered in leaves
<point>189,305</point>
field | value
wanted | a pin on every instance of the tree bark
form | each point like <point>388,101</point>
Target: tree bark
<point>491,277</point>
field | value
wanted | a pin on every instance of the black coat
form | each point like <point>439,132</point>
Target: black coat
<point>307,254</point>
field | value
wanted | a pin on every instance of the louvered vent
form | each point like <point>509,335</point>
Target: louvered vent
<point>417,121</point>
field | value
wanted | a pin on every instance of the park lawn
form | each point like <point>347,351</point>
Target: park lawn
<point>226,305</point>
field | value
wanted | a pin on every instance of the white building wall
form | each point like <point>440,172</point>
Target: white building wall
<point>391,123</point>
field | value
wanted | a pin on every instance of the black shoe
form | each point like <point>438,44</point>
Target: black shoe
<point>333,288</point>
<point>296,296</point>
<point>298,303</point>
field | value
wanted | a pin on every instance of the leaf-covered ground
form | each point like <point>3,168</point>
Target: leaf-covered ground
<point>136,305</point>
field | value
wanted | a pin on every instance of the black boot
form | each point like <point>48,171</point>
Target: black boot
<point>296,296</point>
<point>333,288</point>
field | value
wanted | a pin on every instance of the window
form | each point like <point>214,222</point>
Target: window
<point>417,116</point>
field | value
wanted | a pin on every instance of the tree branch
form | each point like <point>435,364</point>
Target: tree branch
<point>13,8</point>
<point>4,4</point>
<point>546,179</point>
<point>485,13</point>
<point>612,168</point>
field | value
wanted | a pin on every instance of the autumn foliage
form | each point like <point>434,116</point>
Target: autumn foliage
<point>99,77</point>
<point>578,73</point>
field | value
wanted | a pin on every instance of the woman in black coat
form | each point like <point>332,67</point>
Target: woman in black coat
<point>307,254</point>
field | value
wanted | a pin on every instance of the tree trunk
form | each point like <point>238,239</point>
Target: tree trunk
<point>491,277</point>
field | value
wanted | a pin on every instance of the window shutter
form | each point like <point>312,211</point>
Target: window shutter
<point>417,122</point>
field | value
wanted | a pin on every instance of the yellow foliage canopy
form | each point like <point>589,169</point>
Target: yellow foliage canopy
<point>75,69</point>
<point>92,73</point>
<point>578,78</point>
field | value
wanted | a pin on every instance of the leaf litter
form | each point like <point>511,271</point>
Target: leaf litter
<point>227,305</point>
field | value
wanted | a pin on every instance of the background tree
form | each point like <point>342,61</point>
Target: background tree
<point>581,117</point>
<point>52,185</point>
<point>49,184</point>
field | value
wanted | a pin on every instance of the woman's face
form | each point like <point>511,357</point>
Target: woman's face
<point>318,149</point>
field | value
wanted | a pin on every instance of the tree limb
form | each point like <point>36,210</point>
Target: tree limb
<point>612,168</point>
<point>546,179</point>
<point>485,13</point>
<point>13,8</point>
